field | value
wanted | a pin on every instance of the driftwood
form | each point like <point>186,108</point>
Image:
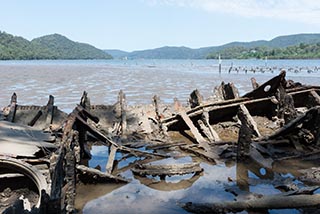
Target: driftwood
<point>89,175</point>
<point>167,170</point>
<point>210,154</point>
<point>112,155</point>
<point>265,202</point>
<point>206,128</point>
<point>197,135</point>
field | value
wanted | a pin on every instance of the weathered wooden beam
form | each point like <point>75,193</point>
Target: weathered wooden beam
<point>220,107</point>
<point>230,91</point>
<point>50,111</point>
<point>296,93</point>
<point>207,129</point>
<point>158,117</point>
<point>167,170</point>
<point>111,158</point>
<point>36,117</point>
<point>89,175</point>
<point>198,137</point>
<point>123,109</point>
<point>85,101</point>
<point>195,99</point>
<point>226,91</point>
<point>247,130</point>
<point>13,108</point>
<point>308,120</point>
<point>245,117</point>
<point>254,83</point>
<point>315,97</point>
<point>269,88</point>
<point>209,155</point>
<point>264,202</point>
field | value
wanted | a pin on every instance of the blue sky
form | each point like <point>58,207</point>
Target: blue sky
<point>143,24</point>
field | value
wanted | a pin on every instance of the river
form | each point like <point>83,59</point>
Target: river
<point>34,81</point>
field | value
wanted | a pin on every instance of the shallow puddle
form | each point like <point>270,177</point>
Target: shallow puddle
<point>217,183</point>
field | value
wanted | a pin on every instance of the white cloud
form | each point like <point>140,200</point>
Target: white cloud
<point>306,11</point>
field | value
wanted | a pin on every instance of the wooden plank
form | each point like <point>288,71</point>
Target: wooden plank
<point>316,96</point>
<point>209,155</point>
<point>247,130</point>
<point>89,175</point>
<point>112,155</point>
<point>36,117</point>
<point>167,170</point>
<point>205,118</point>
<point>193,129</point>
<point>245,117</point>
<point>264,202</point>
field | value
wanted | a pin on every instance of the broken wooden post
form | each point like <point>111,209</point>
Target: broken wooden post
<point>247,130</point>
<point>230,91</point>
<point>158,117</point>
<point>195,99</point>
<point>123,107</point>
<point>85,101</point>
<point>36,117</point>
<point>242,176</point>
<point>254,83</point>
<point>206,128</point>
<point>286,109</point>
<point>197,135</point>
<point>13,108</point>
<point>245,117</point>
<point>315,98</point>
<point>85,104</point>
<point>111,158</point>
<point>226,91</point>
<point>50,111</point>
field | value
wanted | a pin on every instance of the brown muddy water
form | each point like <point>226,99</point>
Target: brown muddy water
<point>34,81</point>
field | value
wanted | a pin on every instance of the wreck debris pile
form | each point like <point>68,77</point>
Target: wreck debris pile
<point>277,121</point>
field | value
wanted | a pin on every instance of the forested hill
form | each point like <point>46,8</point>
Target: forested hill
<point>234,49</point>
<point>53,46</point>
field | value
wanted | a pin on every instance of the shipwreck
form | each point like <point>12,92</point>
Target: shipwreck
<point>44,151</point>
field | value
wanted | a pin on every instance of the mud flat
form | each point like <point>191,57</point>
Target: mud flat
<point>220,153</point>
